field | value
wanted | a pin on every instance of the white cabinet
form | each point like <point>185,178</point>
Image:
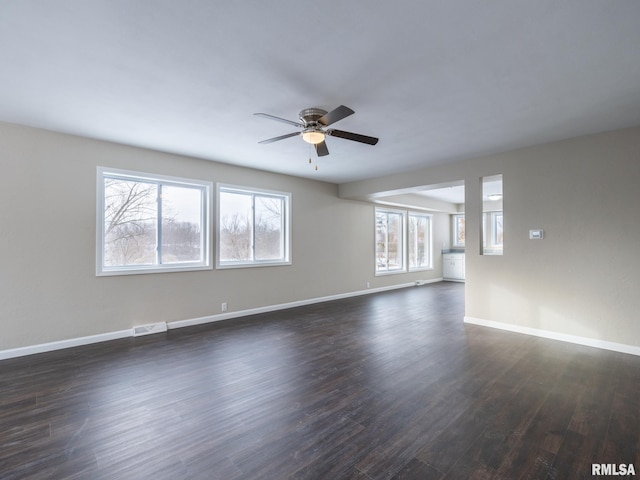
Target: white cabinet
<point>453,266</point>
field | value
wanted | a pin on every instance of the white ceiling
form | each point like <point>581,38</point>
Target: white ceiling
<point>436,81</point>
<point>451,194</point>
<point>454,193</point>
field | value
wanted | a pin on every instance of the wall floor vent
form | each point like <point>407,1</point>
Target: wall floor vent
<point>149,329</point>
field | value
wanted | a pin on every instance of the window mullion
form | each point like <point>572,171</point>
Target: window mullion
<point>386,241</point>
<point>159,226</point>
<point>283,226</point>
<point>253,228</point>
<point>413,238</point>
<point>204,222</point>
<point>404,230</point>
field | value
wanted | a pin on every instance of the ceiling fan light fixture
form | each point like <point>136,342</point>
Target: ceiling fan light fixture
<point>313,136</point>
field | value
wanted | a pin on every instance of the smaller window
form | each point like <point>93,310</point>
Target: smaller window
<point>496,227</point>
<point>458,231</point>
<point>492,226</point>
<point>253,227</point>
<point>419,241</point>
<point>492,217</point>
<point>484,230</point>
<point>390,228</point>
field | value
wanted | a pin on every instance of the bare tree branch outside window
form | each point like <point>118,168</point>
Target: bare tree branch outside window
<point>130,213</point>
<point>252,227</point>
<point>235,237</point>
<point>132,224</point>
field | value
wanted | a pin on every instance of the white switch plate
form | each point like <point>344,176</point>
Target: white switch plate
<point>536,234</point>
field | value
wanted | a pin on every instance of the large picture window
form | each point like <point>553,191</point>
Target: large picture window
<point>253,227</point>
<point>403,241</point>
<point>149,223</point>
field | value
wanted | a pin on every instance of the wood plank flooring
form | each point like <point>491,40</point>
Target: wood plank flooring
<point>385,386</point>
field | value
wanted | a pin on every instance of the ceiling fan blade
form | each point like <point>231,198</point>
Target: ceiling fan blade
<point>284,120</point>
<point>321,149</point>
<point>334,115</point>
<point>356,137</point>
<point>281,137</point>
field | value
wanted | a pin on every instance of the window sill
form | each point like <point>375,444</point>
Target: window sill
<point>393,272</point>
<point>420,269</point>
<point>227,266</point>
<point>151,269</point>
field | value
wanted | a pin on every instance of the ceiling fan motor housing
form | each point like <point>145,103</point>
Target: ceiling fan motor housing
<point>310,116</point>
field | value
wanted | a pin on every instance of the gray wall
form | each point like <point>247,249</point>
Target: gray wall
<point>48,288</point>
<point>582,279</point>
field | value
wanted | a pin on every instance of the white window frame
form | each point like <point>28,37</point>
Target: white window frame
<point>205,262</point>
<point>402,243</point>
<point>494,229</point>
<point>456,217</point>
<point>490,232</point>
<point>286,227</point>
<point>429,246</point>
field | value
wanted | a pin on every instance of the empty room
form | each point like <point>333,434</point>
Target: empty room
<point>330,240</point>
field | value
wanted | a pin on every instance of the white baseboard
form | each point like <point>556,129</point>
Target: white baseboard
<point>563,337</point>
<point>72,342</point>
<point>282,306</point>
<point>104,337</point>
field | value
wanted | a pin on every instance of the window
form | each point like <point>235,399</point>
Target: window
<point>253,227</point>
<point>403,241</point>
<point>419,241</point>
<point>389,241</point>
<point>149,223</point>
<point>492,236</point>
<point>458,231</point>
<point>496,227</point>
<point>492,216</point>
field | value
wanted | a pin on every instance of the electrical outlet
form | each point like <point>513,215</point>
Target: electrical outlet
<point>223,306</point>
<point>368,284</point>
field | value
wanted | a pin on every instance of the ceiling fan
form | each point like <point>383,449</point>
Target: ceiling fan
<point>312,121</point>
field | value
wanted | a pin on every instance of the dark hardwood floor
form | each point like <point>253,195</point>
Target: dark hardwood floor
<point>384,386</point>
